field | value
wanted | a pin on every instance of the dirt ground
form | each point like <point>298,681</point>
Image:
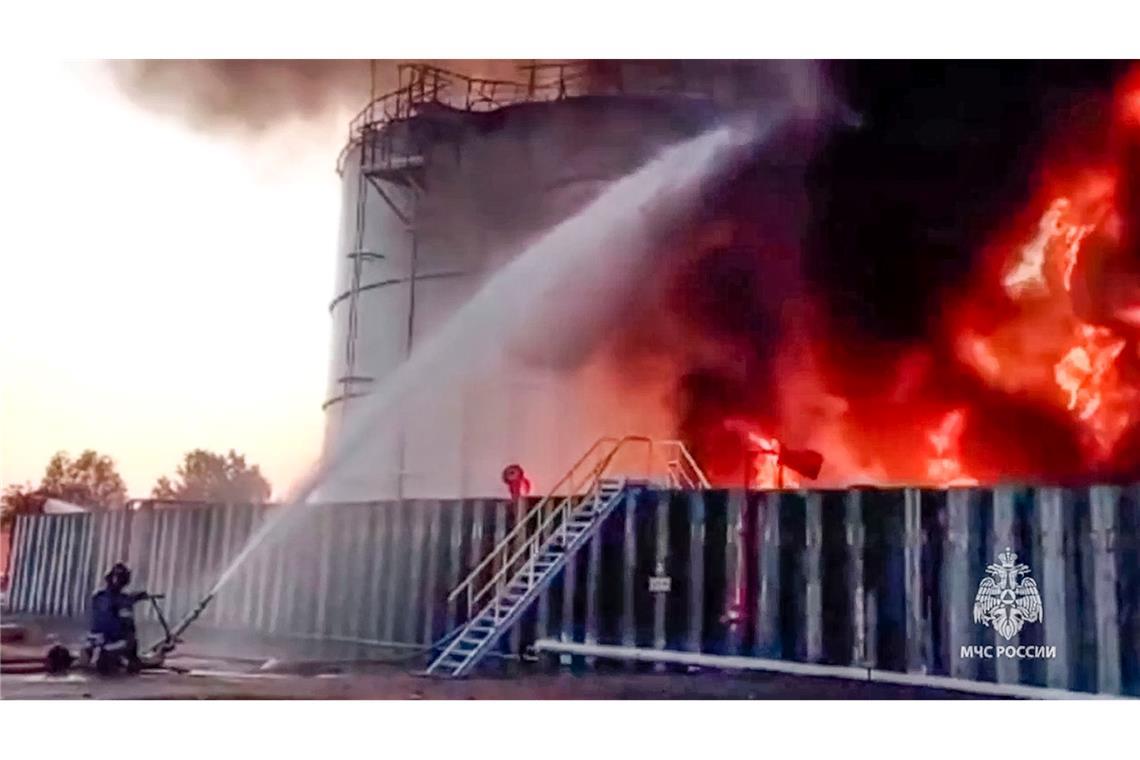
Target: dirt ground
<point>211,683</point>
<point>213,668</point>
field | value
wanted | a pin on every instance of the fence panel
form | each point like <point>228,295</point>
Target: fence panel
<point>867,578</point>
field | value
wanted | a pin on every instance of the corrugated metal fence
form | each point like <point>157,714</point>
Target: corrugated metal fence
<point>884,579</point>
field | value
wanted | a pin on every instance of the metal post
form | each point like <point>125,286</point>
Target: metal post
<point>957,592</point>
<point>391,565</point>
<point>16,562</point>
<point>915,626</point>
<point>696,570</point>
<point>734,572</point>
<point>767,629</point>
<point>661,560</point>
<point>593,573</point>
<point>1008,669</point>
<point>813,573</point>
<point>629,567</point>
<point>855,533</point>
<point>417,554</point>
<point>569,589</point>
<point>1103,503</point>
<point>1052,538</point>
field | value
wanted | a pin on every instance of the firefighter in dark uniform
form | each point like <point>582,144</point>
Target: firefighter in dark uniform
<point>113,620</point>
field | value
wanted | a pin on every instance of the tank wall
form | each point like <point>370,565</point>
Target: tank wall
<point>492,185</point>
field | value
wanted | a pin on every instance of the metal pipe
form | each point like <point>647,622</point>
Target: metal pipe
<point>849,672</point>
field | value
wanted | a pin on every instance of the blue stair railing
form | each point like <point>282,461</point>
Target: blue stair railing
<point>532,554</point>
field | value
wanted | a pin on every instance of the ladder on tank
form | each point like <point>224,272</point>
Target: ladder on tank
<point>389,167</point>
<point>529,558</point>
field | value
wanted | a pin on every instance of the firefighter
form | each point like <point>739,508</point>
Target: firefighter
<point>518,484</point>
<point>113,621</point>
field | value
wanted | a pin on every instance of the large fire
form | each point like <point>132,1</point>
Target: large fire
<point>769,471</point>
<point>1035,377</point>
<point>1046,349</point>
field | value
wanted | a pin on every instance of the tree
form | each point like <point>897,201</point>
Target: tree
<point>206,476</point>
<point>90,480</point>
<point>20,500</point>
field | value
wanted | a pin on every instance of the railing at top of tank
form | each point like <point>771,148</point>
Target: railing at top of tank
<point>422,84</point>
<point>678,79</point>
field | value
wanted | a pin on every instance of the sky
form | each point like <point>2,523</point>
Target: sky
<point>161,289</point>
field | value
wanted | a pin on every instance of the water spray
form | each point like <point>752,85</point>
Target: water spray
<point>622,221</point>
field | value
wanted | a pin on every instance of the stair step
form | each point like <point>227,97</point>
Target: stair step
<point>491,619</point>
<point>583,515</point>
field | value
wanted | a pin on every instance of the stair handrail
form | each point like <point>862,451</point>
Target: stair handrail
<point>552,519</point>
<point>573,481</point>
<point>531,544</point>
<point>551,523</point>
<point>537,509</point>
<point>698,474</point>
<point>564,499</point>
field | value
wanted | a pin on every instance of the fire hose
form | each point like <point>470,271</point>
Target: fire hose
<point>172,636</point>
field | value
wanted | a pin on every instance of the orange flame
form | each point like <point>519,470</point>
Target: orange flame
<point>1047,351</point>
<point>1089,379</point>
<point>1050,331</point>
<point>945,467</point>
<point>768,473</point>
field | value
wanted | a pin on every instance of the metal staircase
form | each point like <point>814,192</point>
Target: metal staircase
<point>528,559</point>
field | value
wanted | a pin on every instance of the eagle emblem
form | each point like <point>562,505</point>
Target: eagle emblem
<point>1005,599</point>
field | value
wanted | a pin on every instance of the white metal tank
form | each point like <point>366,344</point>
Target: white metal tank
<point>444,181</point>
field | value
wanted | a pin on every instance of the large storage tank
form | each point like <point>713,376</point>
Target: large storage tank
<point>444,180</point>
